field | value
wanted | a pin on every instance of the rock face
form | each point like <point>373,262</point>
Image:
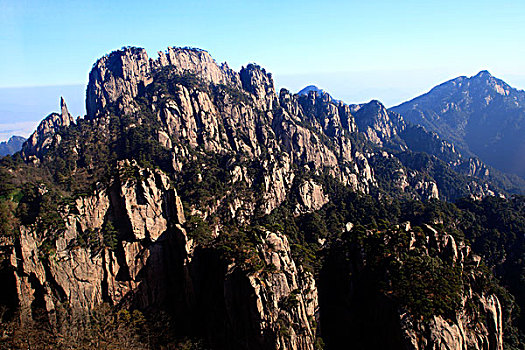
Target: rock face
<point>364,312</point>
<point>85,276</point>
<point>481,115</point>
<point>463,332</point>
<point>211,106</point>
<point>120,76</point>
<point>153,266</point>
<point>274,309</point>
<point>377,122</point>
<point>442,334</point>
<point>311,197</point>
<point>288,294</point>
<point>216,150</point>
<point>46,133</point>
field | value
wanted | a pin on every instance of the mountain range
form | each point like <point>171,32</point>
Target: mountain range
<point>195,207</point>
<point>481,115</point>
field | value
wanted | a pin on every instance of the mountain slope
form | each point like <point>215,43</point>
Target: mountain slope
<point>11,146</point>
<point>481,115</point>
<point>195,192</point>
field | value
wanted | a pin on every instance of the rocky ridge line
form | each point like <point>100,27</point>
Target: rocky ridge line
<point>275,148</point>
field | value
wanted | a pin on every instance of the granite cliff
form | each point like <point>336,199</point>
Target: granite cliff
<point>196,191</point>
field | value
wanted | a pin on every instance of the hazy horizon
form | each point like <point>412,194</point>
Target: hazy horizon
<point>355,50</point>
<point>22,108</point>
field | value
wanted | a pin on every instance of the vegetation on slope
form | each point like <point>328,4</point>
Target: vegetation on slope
<point>424,283</point>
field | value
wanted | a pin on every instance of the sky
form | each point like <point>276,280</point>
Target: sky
<point>355,50</point>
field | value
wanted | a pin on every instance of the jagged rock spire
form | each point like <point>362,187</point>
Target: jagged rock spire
<point>44,134</point>
<point>63,108</point>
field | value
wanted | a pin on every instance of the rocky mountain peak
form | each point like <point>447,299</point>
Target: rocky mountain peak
<point>483,74</point>
<point>46,132</point>
<point>376,106</point>
<point>482,115</point>
<point>204,199</point>
<point>486,85</point>
<point>306,90</point>
<point>258,82</point>
<point>198,62</point>
<point>63,107</point>
<point>119,77</point>
<point>377,122</point>
<point>314,90</point>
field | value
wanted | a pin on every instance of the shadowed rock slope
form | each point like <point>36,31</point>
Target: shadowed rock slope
<point>482,115</point>
<point>11,146</point>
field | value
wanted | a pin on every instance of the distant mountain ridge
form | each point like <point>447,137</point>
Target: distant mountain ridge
<point>306,90</point>
<point>482,115</point>
<point>389,129</point>
<point>11,146</point>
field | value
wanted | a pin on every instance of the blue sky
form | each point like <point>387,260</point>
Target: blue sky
<point>357,50</point>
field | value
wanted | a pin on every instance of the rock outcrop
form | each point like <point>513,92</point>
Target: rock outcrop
<point>476,322</point>
<point>203,104</point>
<point>275,308</point>
<point>286,299</point>
<point>149,265</point>
<point>120,76</point>
<point>379,124</point>
<point>46,133</point>
<point>84,267</point>
<point>192,154</point>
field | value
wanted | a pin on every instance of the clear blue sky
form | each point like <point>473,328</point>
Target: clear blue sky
<point>357,50</point>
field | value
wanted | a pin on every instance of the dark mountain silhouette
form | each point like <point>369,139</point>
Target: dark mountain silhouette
<point>11,146</point>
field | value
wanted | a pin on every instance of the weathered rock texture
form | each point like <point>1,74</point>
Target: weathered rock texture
<point>133,243</point>
<point>374,320</point>
<point>46,132</point>
<point>153,267</point>
<point>82,276</point>
<point>223,111</point>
